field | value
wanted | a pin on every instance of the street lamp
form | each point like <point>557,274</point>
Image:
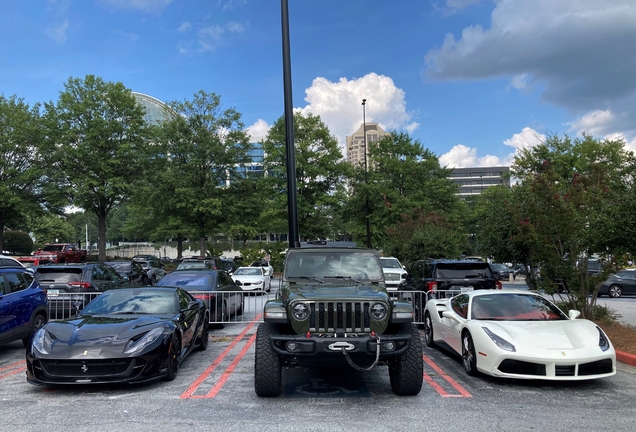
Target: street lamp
<point>366,171</point>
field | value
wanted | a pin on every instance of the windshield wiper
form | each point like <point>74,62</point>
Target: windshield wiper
<point>343,277</point>
<point>313,278</point>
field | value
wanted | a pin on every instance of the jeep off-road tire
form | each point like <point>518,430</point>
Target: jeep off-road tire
<point>406,371</point>
<point>268,370</point>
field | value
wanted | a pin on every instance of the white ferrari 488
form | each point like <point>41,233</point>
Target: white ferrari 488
<point>518,334</point>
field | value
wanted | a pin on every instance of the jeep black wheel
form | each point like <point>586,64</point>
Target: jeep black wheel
<point>406,371</point>
<point>428,330</point>
<point>268,370</point>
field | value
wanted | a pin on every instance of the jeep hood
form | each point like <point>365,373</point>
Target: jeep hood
<point>332,292</point>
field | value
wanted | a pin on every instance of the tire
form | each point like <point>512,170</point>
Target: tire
<point>615,291</point>
<point>204,339</point>
<point>429,336</point>
<point>406,371</point>
<point>469,356</point>
<point>222,312</point>
<point>172,366</point>
<point>268,369</point>
<point>38,322</point>
<point>240,309</point>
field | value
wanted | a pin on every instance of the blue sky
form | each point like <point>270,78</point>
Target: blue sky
<point>472,80</point>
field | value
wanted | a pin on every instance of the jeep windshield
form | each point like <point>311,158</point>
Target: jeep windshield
<point>341,265</point>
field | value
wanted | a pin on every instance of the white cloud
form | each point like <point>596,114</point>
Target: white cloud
<point>582,52</point>
<point>462,156</point>
<point>258,131</point>
<point>58,32</point>
<point>339,104</point>
<point>528,137</point>
<point>185,27</point>
<point>211,37</point>
<point>150,6</point>
<point>455,5</point>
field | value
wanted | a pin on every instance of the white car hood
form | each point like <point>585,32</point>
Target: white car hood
<point>546,335</point>
<point>249,278</point>
<point>394,270</point>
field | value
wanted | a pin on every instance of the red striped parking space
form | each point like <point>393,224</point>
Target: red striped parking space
<point>12,369</point>
<point>197,389</point>
<point>443,383</point>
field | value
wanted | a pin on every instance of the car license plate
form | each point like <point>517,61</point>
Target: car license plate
<point>466,289</point>
<point>52,292</point>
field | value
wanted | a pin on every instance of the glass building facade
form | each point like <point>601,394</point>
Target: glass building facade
<point>156,111</point>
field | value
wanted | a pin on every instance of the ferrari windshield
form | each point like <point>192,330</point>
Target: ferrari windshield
<point>135,301</point>
<point>514,307</point>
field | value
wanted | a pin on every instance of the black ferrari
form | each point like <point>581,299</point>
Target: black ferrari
<point>124,335</point>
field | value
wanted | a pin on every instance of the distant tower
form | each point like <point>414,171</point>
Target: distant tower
<point>355,142</point>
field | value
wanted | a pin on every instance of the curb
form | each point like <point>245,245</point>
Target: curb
<point>627,358</point>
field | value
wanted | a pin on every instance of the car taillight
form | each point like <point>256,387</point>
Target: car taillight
<point>499,285</point>
<point>82,285</point>
<point>431,286</point>
<point>204,297</point>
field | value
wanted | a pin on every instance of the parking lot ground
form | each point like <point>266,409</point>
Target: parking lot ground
<point>214,390</point>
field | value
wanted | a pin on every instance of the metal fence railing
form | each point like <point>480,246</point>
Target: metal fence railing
<point>225,306</point>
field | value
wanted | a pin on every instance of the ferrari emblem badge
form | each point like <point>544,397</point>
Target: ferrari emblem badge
<point>563,352</point>
<point>84,368</point>
<point>86,352</point>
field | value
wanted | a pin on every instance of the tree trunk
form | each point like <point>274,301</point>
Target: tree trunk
<point>179,246</point>
<point>101,235</point>
<point>202,246</point>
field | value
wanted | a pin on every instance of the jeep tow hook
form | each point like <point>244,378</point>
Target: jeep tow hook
<point>341,345</point>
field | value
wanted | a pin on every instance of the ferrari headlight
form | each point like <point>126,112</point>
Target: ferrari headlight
<point>134,347</point>
<point>300,311</point>
<point>603,341</point>
<point>378,311</point>
<point>499,341</point>
<point>42,341</point>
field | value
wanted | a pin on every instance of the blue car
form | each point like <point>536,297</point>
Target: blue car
<point>23,305</point>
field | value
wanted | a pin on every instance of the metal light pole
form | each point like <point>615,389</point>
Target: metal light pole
<point>292,207</point>
<point>366,172</point>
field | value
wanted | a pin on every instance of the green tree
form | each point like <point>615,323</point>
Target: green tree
<point>403,177</point>
<point>52,228</point>
<point>570,201</point>
<point>203,147</point>
<point>100,139</point>
<point>321,174</point>
<point>22,179</point>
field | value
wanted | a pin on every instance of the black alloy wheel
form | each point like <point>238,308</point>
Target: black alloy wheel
<point>615,291</point>
<point>428,330</point>
<point>205,334</point>
<point>469,357</point>
<point>174,352</point>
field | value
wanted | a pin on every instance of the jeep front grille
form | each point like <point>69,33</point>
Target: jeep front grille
<point>328,316</point>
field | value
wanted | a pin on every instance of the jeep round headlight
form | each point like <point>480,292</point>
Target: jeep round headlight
<point>300,311</point>
<point>378,311</point>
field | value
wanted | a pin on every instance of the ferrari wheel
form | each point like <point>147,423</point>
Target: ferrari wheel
<point>268,368</point>
<point>174,351</point>
<point>469,358</point>
<point>428,330</point>
<point>37,324</point>
<point>407,370</point>
<point>615,291</point>
<point>205,334</point>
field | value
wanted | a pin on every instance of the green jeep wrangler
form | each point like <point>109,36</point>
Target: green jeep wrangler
<point>333,308</point>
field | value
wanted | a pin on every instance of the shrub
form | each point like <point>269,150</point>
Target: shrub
<point>18,242</point>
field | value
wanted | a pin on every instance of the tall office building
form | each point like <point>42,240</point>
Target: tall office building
<point>355,143</point>
<point>156,111</point>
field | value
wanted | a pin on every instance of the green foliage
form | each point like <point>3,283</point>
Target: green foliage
<point>321,173</point>
<point>424,235</point>
<point>566,208</point>
<point>18,242</point>
<point>23,182</point>
<point>403,178</point>
<point>51,228</point>
<point>100,140</point>
<point>201,147</point>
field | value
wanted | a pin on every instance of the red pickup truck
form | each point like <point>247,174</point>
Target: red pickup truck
<point>60,253</point>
